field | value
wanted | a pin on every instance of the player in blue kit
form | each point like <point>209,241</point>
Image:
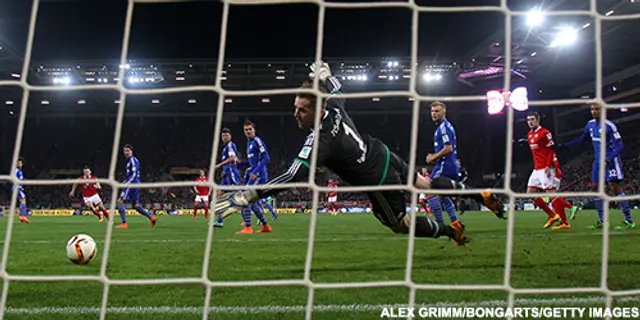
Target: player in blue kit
<point>22,197</point>
<point>445,159</point>
<point>230,172</point>
<point>132,194</point>
<point>614,173</point>
<point>257,158</point>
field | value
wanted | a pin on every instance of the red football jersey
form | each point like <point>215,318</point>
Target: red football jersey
<point>540,142</point>
<point>202,190</point>
<point>333,184</point>
<point>88,189</point>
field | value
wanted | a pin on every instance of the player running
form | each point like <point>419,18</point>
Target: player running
<point>359,160</point>
<point>22,197</point>
<point>543,177</point>
<point>614,173</point>
<point>446,160</point>
<point>90,194</point>
<point>332,196</point>
<point>132,194</point>
<point>202,196</point>
<point>257,157</point>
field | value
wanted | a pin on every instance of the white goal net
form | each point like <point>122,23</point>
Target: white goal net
<point>306,281</point>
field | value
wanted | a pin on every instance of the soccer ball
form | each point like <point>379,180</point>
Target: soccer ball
<point>81,249</point>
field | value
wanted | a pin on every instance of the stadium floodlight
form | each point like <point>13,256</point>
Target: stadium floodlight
<point>155,101</point>
<point>192,101</point>
<point>566,36</point>
<point>429,77</point>
<point>81,102</point>
<point>15,75</point>
<point>535,17</point>
<point>44,102</point>
<point>265,100</point>
<point>63,80</point>
<point>228,100</point>
<point>9,103</point>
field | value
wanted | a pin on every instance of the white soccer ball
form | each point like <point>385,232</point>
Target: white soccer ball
<point>81,249</point>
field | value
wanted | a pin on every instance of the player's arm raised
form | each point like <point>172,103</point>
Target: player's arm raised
<point>331,83</point>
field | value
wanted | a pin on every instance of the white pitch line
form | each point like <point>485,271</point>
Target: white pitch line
<point>574,301</point>
<point>334,239</point>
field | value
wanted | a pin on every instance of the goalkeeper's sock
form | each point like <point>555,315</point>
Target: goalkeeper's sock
<point>425,228</point>
<point>123,212</point>
<point>544,206</point>
<point>258,210</point>
<point>143,212</point>
<point>23,209</point>
<point>246,216</point>
<point>598,203</point>
<point>558,206</point>
<point>449,207</point>
<point>624,207</point>
<point>436,208</point>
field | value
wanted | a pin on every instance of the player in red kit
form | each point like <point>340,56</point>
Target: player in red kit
<point>544,175</point>
<point>202,196</point>
<point>332,196</point>
<point>90,194</point>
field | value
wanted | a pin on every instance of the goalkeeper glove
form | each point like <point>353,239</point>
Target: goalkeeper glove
<point>231,203</point>
<point>323,71</point>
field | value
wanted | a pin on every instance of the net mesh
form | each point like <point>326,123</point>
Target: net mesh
<point>306,280</point>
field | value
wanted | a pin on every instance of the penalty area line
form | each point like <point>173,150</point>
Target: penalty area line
<point>573,301</point>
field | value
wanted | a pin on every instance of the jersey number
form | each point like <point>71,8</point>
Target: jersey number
<point>348,131</point>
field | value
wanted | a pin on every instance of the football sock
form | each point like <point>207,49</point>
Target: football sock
<point>543,205</point>
<point>195,209</point>
<point>270,208</point>
<point>142,211</point>
<point>558,206</point>
<point>598,203</point>
<point>23,209</point>
<point>425,228</point>
<point>96,212</point>
<point>206,210</point>
<point>246,216</point>
<point>258,210</point>
<point>624,207</point>
<point>449,207</point>
<point>123,212</point>
<point>436,208</point>
<point>564,202</point>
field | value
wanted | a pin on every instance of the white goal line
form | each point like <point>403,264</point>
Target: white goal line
<point>332,239</point>
<point>572,301</point>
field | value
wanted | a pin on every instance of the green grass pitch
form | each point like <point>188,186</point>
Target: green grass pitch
<point>347,248</point>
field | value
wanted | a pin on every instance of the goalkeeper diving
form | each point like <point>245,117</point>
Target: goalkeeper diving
<point>360,160</point>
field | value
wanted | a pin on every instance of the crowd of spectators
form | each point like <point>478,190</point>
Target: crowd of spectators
<point>165,143</point>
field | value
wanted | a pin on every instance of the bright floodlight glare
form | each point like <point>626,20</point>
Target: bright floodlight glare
<point>535,17</point>
<point>428,77</point>
<point>566,36</point>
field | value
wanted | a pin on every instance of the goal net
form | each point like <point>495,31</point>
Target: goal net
<point>604,295</point>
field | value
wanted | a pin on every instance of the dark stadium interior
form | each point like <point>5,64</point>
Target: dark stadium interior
<point>368,49</point>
